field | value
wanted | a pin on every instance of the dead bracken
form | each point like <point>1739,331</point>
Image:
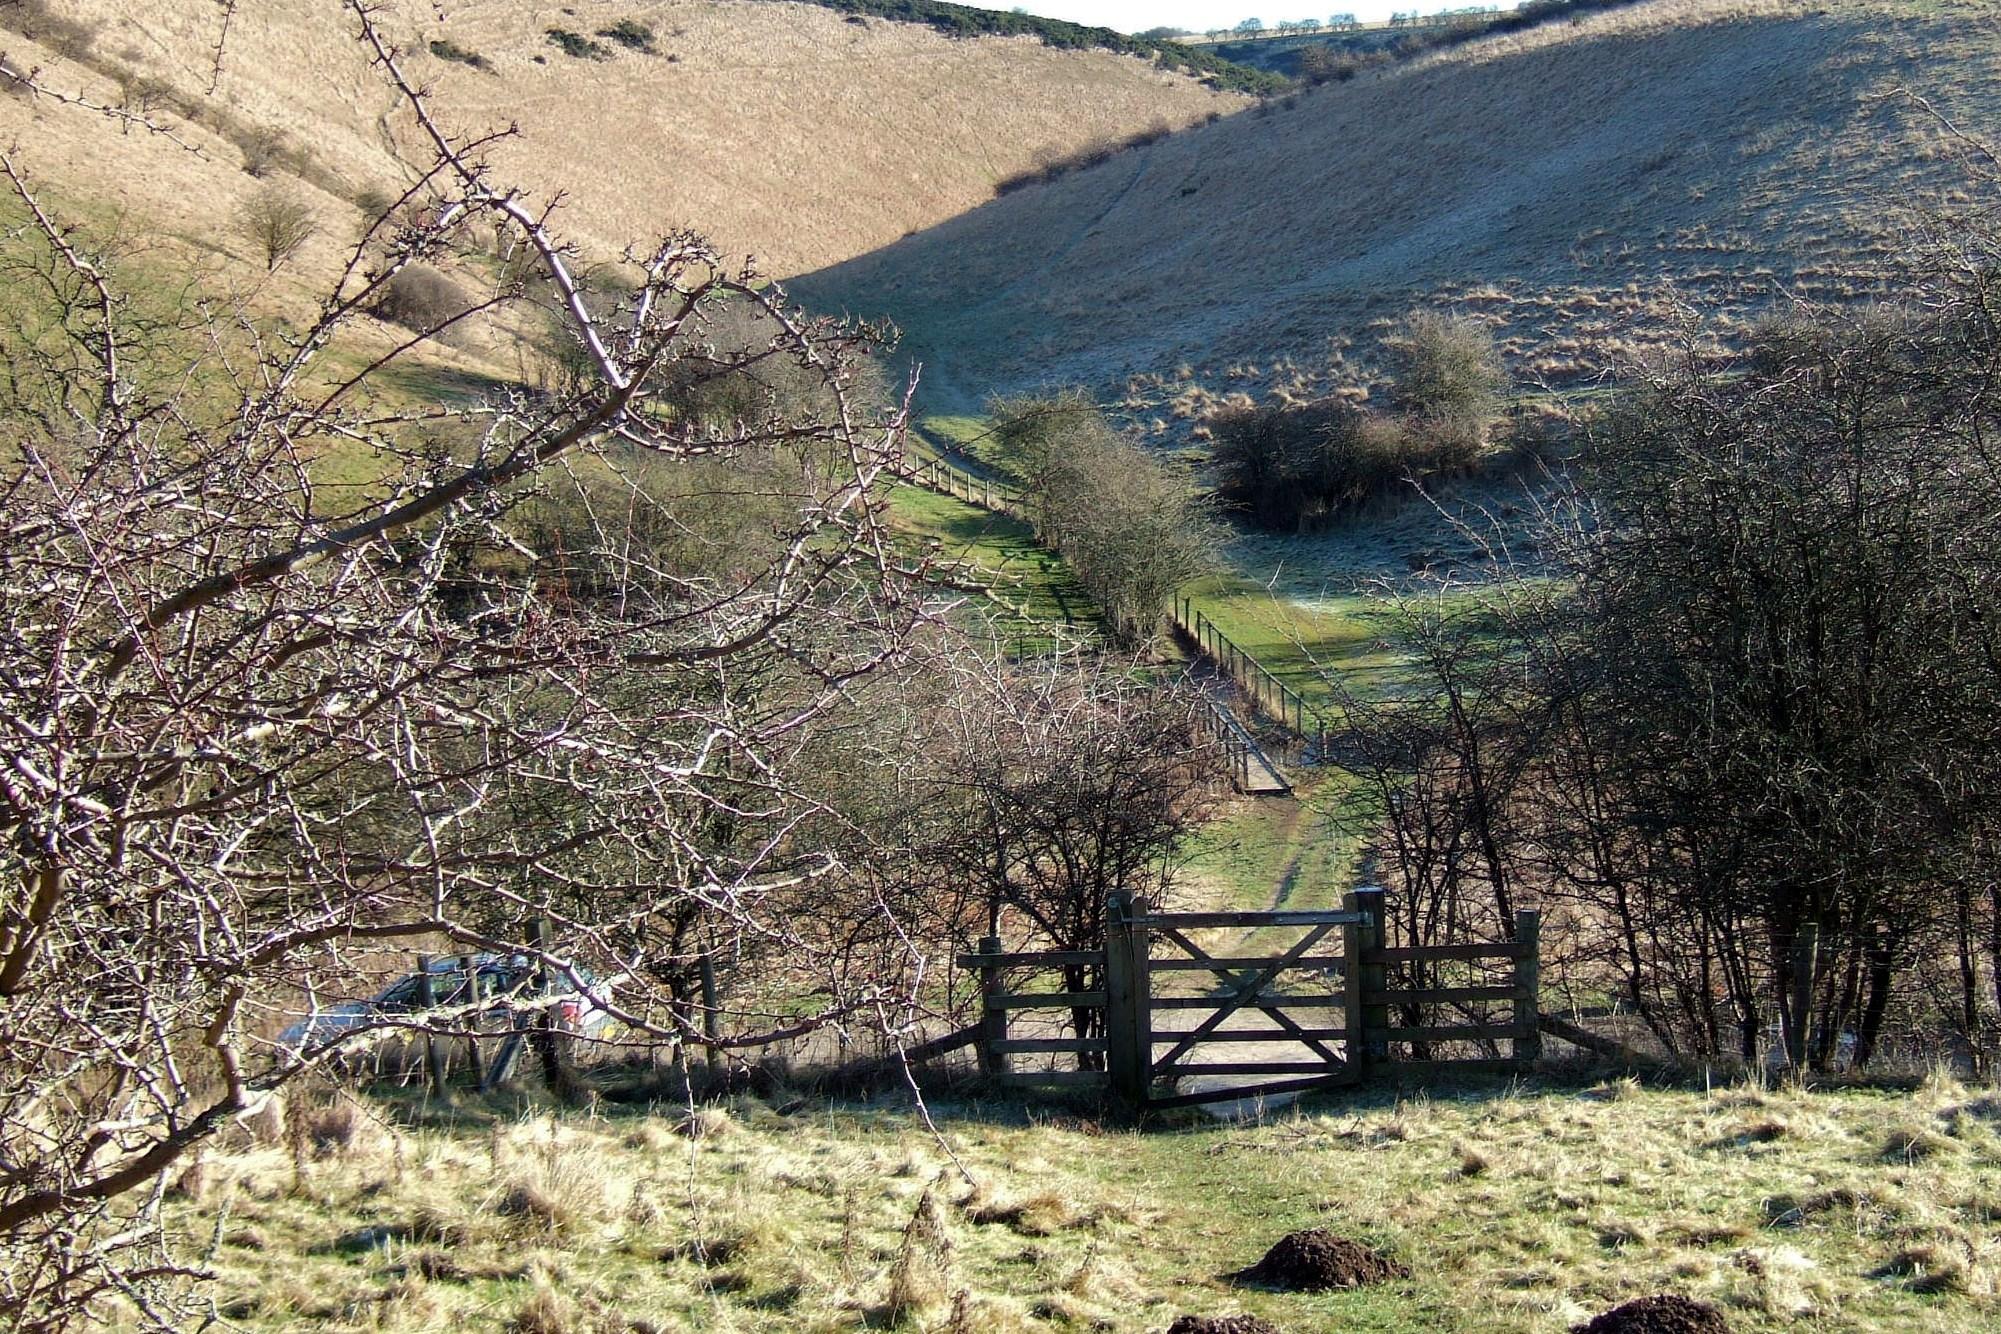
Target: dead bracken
<point>1664,1313</point>
<point>1316,1260</point>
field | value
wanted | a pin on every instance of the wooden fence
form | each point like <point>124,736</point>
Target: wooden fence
<point>1272,697</point>
<point>1342,1018</point>
<point>1251,770</point>
<point>988,493</point>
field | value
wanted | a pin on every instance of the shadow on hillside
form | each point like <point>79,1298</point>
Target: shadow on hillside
<point>1736,155</point>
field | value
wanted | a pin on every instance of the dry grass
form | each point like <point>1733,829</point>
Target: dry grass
<point>1518,1209</point>
<point>1567,185</point>
<point>778,130</point>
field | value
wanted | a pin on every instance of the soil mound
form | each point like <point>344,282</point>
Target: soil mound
<point>1663,1314</point>
<point>1221,1324</point>
<point>1316,1259</point>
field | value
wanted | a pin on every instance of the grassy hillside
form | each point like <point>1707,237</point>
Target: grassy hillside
<point>966,21</point>
<point>1565,183</point>
<point>1520,1209</point>
<point>785,131</point>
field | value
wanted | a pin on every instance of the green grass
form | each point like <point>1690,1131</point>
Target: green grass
<point>1031,586</point>
<point>1265,853</point>
<point>1308,646</point>
<point>1520,1209</point>
<point>959,439</point>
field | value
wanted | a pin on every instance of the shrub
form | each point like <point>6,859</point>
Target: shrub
<point>265,150</point>
<point>631,34</point>
<point>422,299</point>
<point>1448,375</point>
<point>277,222</point>
<point>373,202</point>
<point>578,46</point>
<point>1126,525</point>
<point>1297,466</point>
<point>446,49</point>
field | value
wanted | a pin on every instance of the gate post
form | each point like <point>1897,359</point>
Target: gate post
<point>712,1016</point>
<point>1128,1036</point>
<point>1528,987</point>
<point>1367,1016</point>
<point>1354,940</point>
<point>993,1019</point>
<point>476,995</point>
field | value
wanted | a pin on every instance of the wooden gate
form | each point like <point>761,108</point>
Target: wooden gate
<point>1327,1005</point>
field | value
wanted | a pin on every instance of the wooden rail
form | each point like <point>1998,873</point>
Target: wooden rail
<point>1269,695</point>
<point>998,970</point>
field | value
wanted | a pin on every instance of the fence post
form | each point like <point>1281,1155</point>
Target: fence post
<point>712,1016</point>
<point>1353,1012</point>
<point>1528,987</point>
<point>427,997</point>
<point>993,1019</point>
<point>475,990</point>
<point>554,1071</point>
<point>1128,1041</point>
<point>1806,956</point>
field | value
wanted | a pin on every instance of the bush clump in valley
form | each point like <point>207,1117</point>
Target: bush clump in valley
<point>1299,465</point>
<point>631,34</point>
<point>422,300</point>
<point>446,49</point>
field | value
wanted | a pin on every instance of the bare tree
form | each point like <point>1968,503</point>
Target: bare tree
<point>277,222</point>
<point>1060,781</point>
<point>258,727</point>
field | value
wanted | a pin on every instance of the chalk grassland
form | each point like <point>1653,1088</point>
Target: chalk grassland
<point>1569,184</point>
<point>1518,1210</point>
<point>778,130</point>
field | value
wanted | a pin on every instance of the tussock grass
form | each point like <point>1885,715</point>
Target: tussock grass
<point>843,1217</point>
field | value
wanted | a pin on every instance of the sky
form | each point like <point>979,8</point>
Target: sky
<point>1202,15</point>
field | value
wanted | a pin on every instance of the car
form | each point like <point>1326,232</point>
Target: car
<point>503,982</point>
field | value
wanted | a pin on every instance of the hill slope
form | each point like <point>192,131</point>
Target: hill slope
<point>782,130</point>
<point>1555,181</point>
